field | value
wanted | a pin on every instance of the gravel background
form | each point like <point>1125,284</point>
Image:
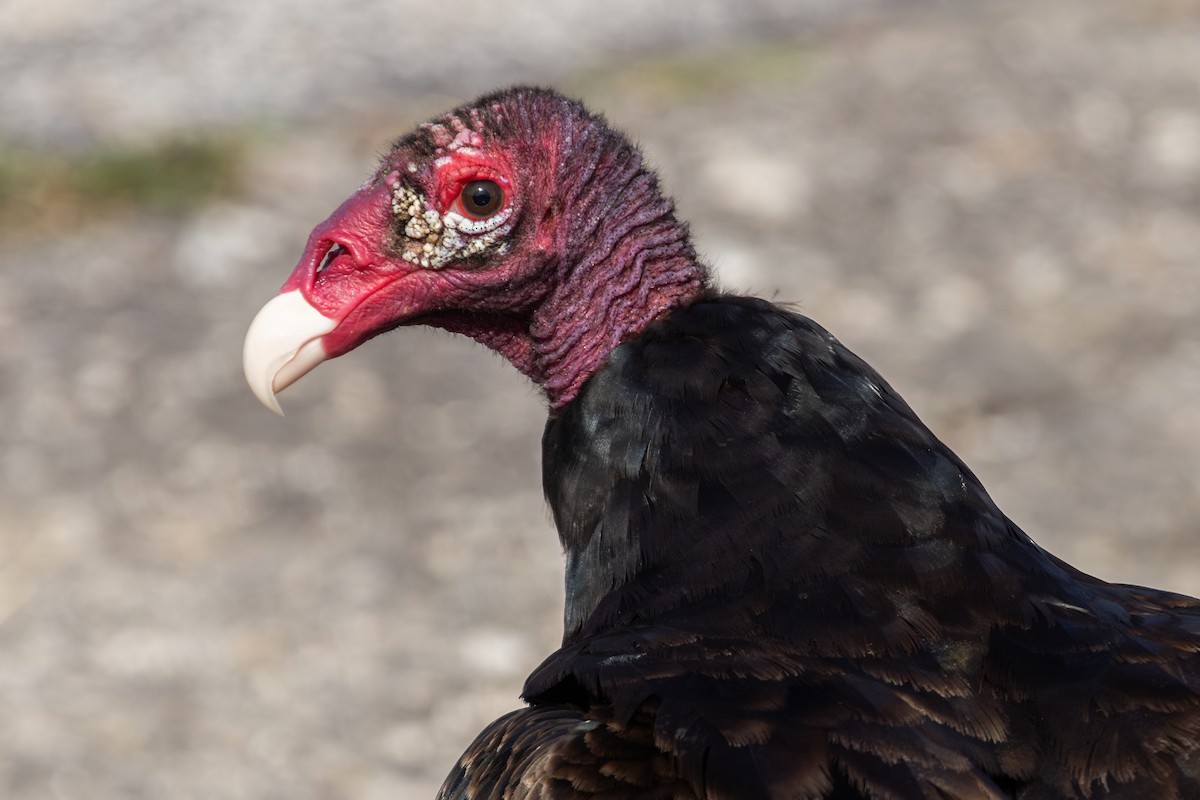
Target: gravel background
<point>998,205</point>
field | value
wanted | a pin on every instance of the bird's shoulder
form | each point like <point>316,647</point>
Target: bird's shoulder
<point>754,719</point>
<point>1067,705</point>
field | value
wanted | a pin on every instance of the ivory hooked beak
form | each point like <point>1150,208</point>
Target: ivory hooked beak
<point>282,344</point>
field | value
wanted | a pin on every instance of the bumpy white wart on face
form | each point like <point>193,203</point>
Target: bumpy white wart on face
<point>435,240</point>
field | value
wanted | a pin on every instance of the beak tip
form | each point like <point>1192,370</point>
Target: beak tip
<point>282,344</point>
<point>268,399</point>
<point>260,376</point>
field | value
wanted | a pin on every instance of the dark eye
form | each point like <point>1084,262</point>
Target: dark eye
<point>481,199</point>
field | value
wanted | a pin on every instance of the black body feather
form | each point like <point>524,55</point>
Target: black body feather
<point>781,585</point>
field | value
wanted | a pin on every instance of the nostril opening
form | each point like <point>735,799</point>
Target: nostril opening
<point>332,254</point>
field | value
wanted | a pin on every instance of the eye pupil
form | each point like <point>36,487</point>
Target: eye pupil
<point>481,198</point>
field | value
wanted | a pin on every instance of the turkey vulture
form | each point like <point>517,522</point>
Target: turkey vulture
<point>779,583</point>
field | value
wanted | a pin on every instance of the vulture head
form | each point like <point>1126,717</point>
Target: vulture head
<point>519,220</point>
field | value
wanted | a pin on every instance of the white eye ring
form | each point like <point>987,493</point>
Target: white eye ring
<point>473,227</point>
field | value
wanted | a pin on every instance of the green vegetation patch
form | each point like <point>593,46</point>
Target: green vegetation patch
<point>173,176</point>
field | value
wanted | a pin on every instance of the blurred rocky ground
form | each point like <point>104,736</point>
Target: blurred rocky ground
<point>997,204</point>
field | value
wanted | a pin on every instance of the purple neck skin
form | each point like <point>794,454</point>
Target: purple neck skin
<point>622,260</point>
<point>628,261</point>
<point>580,324</point>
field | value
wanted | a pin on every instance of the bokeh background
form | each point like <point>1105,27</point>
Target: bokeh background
<point>997,204</point>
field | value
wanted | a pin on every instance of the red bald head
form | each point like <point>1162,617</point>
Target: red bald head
<point>497,220</point>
